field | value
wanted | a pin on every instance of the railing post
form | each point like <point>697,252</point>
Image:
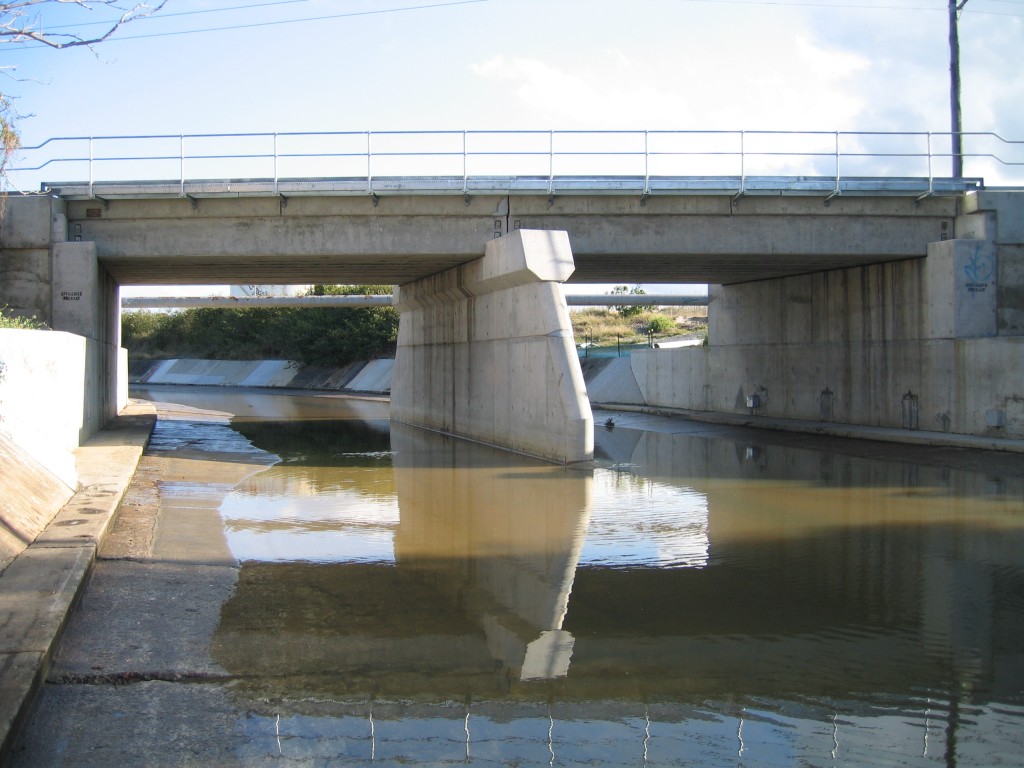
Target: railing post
<point>551,162</point>
<point>931,186</point>
<point>91,176</point>
<point>276,175</point>
<point>743,169</point>
<point>465,172</point>
<point>647,166</point>
<point>743,162</point>
<point>369,177</point>
<point>836,190</point>
<point>181,163</point>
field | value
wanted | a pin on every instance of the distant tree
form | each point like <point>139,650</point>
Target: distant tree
<point>319,336</point>
<point>21,23</point>
<point>628,310</point>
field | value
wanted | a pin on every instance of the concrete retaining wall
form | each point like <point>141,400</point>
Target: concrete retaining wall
<point>46,412</point>
<point>932,344</point>
<point>48,405</point>
<point>966,386</point>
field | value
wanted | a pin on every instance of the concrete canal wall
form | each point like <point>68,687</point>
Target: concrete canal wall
<point>48,402</point>
<point>49,407</point>
<point>978,393</point>
<point>368,376</point>
<point>30,495</point>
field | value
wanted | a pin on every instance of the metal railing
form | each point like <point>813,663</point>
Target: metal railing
<point>549,156</point>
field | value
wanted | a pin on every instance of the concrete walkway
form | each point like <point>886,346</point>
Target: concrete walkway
<point>40,587</point>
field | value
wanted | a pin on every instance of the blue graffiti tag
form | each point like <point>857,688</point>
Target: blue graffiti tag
<point>980,268</point>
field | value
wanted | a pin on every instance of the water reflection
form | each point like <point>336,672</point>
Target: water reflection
<point>691,598</point>
<point>331,497</point>
<point>471,595</point>
<point>693,573</point>
<point>499,538</point>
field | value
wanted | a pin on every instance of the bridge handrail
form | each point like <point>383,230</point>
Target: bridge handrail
<point>844,147</point>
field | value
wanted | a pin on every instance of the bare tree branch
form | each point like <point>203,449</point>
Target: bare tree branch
<point>21,22</point>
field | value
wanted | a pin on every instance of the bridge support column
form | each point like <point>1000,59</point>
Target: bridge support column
<point>485,351</point>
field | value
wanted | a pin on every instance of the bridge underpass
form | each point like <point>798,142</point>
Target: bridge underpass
<point>818,301</point>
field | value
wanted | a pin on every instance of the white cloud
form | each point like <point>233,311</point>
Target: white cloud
<point>797,85</point>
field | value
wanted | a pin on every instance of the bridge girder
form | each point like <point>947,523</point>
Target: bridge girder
<point>396,239</point>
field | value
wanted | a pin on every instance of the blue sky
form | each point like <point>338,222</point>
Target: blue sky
<point>313,65</point>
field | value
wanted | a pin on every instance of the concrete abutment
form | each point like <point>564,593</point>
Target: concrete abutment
<point>931,344</point>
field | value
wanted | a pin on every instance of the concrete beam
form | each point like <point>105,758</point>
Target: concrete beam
<point>398,238</point>
<point>485,352</point>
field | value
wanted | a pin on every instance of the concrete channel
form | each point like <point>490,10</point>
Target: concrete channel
<point>53,532</point>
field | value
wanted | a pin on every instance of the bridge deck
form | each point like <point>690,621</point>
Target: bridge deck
<point>826,186</point>
<point>396,229</point>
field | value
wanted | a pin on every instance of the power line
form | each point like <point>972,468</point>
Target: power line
<point>163,15</point>
<point>281,22</point>
<point>450,3</point>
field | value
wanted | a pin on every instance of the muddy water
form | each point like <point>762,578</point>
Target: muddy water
<point>700,596</point>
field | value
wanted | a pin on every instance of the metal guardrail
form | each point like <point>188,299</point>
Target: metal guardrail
<point>366,159</point>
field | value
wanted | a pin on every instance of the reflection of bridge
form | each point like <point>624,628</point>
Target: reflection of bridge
<point>824,306</point>
<point>487,600</point>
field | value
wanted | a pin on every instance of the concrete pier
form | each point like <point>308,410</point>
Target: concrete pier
<point>485,351</point>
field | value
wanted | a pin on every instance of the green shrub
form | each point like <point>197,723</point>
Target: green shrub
<point>661,324</point>
<point>9,320</point>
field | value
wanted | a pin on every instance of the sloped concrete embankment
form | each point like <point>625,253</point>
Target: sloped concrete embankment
<point>30,495</point>
<point>366,376</point>
<point>608,380</point>
<point>62,476</point>
<point>48,543</point>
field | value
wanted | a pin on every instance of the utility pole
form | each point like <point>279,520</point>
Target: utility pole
<point>956,125</point>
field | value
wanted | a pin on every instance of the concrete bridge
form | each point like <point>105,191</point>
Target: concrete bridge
<point>884,301</point>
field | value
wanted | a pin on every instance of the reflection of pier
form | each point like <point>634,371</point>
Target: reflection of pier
<point>499,536</point>
<point>485,553</point>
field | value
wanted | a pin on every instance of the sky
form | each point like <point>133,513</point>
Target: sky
<point>242,66</point>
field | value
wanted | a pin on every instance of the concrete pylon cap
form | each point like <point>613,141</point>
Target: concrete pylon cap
<point>544,254</point>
